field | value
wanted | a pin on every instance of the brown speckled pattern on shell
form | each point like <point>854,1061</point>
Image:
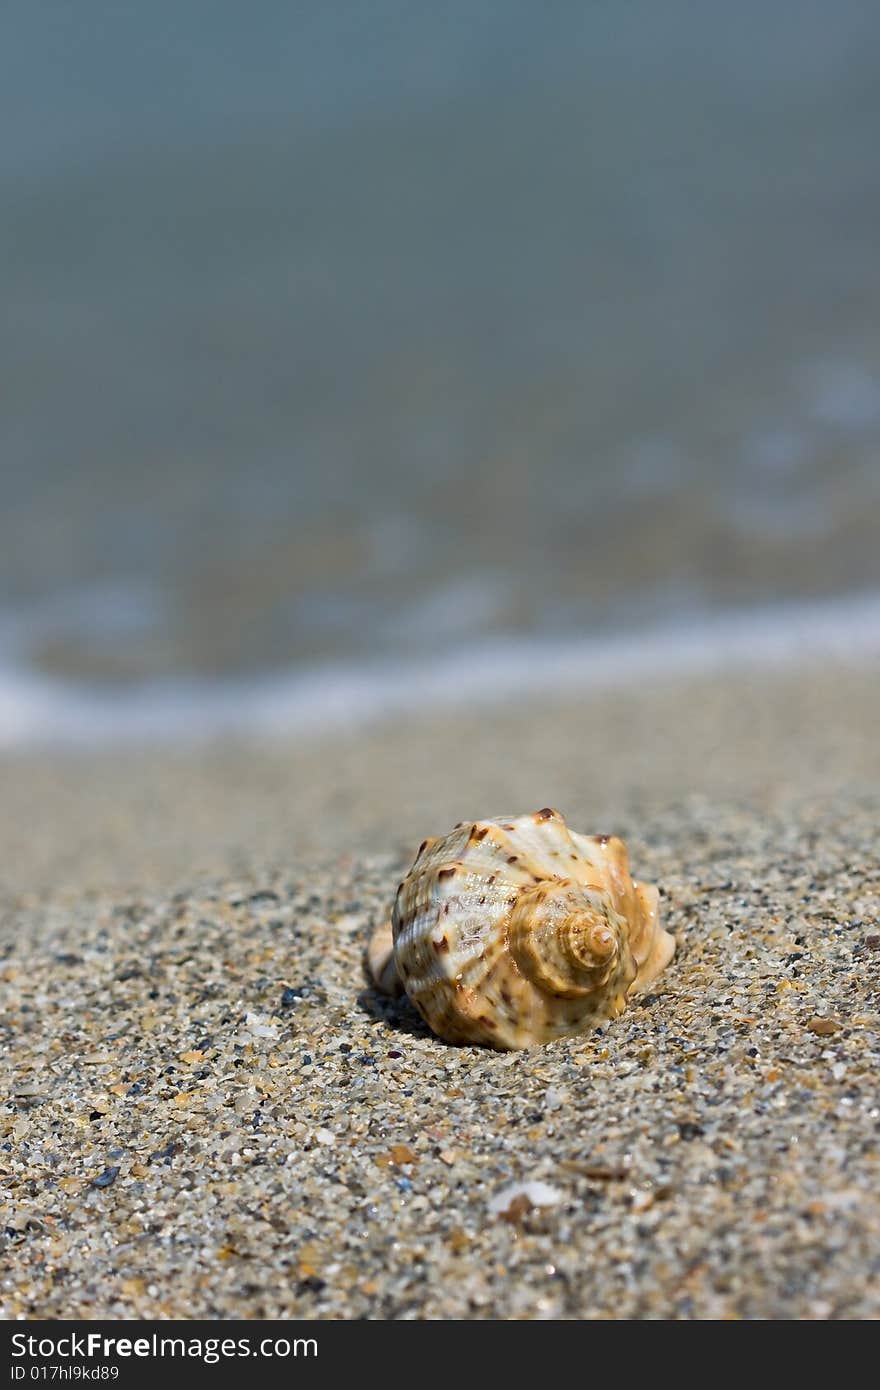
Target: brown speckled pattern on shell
<point>514,931</point>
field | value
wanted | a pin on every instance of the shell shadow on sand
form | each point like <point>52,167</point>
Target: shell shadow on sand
<point>397,1014</point>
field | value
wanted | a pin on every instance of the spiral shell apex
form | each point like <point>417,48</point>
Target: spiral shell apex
<point>514,931</point>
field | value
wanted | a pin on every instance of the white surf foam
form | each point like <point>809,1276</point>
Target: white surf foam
<point>36,711</point>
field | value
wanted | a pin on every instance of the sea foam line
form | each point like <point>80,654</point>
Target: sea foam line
<point>36,711</point>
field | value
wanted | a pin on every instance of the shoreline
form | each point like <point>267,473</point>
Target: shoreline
<point>37,712</point>
<point>161,818</point>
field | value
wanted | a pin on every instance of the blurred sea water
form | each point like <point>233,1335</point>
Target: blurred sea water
<point>367,337</point>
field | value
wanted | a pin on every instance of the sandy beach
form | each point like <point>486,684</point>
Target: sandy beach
<point>207,1112</point>
<point>416,419</point>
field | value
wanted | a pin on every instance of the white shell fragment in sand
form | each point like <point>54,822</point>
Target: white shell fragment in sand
<point>536,1194</point>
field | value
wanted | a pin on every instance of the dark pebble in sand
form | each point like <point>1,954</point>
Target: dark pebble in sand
<point>311,1285</point>
<point>104,1179</point>
<point>689,1129</point>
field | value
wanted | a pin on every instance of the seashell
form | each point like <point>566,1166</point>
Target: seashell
<point>514,931</point>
